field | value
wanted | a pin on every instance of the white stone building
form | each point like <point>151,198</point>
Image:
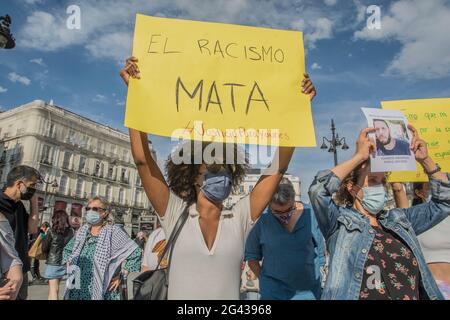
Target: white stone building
<point>79,158</point>
<point>250,181</point>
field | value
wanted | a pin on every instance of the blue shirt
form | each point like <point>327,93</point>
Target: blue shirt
<point>291,261</point>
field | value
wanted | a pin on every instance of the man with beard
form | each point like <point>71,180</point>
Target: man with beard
<point>386,144</point>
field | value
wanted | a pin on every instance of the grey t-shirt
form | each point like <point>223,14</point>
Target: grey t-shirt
<point>8,254</point>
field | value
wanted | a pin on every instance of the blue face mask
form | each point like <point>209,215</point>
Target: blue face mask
<point>93,217</point>
<point>429,197</point>
<point>374,198</point>
<point>217,186</point>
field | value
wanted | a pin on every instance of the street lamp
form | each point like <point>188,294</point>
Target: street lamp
<point>54,184</point>
<point>334,143</point>
<point>7,41</point>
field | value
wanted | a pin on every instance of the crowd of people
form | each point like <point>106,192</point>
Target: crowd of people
<point>345,245</point>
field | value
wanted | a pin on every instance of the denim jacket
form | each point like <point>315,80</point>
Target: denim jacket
<point>349,235</point>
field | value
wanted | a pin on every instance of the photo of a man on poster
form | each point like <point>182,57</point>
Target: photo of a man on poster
<point>391,138</point>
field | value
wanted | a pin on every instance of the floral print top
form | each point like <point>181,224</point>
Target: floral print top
<point>391,271</point>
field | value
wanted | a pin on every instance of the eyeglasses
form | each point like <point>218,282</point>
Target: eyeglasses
<point>94,209</point>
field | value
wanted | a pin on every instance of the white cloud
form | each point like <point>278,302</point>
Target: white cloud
<point>3,90</point>
<point>120,103</point>
<point>38,61</point>
<point>107,25</point>
<point>14,77</point>
<point>100,98</point>
<point>322,29</point>
<point>316,66</point>
<point>116,46</point>
<point>34,1</point>
<point>419,26</point>
<point>330,2</point>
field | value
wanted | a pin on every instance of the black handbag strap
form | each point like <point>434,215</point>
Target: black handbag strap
<point>173,237</point>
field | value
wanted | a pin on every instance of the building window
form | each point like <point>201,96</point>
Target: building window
<point>137,198</point>
<point>67,158</point>
<point>82,164</point>
<point>125,155</point>
<point>108,193</point>
<point>113,149</point>
<point>123,176</point>
<point>63,185</point>
<point>250,188</point>
<point>51,130</point>
<point>79,188</point>
<point>97,168</point>
<point>138,181</point>
<point>121,196</point>
<point>45,158</point>
<point>94,189</point>
<point>102,170</point>
<point>241,189</point>
<point>110,172</point>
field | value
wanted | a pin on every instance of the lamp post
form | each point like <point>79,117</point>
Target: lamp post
<point>54,184</point>
<point>334,143</point>
<point>7,41</point>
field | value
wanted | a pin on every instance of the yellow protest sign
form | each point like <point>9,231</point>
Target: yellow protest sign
<point>431,118</point>
<point>219,81</point>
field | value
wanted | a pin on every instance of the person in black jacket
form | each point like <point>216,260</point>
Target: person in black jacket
<point>53,245</point>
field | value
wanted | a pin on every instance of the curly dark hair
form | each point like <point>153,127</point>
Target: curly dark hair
<point>181,177</point>
<point>342,196</point>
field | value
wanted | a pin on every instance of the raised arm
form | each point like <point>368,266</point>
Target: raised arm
<point>427,215</point>
<point>401,200</point>
<point>364,147</point>
<point>152,179</point>
<point>420,150</point>
<point>268,182</point>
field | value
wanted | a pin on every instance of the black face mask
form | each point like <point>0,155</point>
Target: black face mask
<point>28,194</point>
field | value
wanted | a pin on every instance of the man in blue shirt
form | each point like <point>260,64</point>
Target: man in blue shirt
<point>288,241</point>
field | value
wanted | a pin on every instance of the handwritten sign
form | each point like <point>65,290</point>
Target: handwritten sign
<point>218,82</point>
<point>431,118</point>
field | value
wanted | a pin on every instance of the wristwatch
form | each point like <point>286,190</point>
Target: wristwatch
<point>438,168</point>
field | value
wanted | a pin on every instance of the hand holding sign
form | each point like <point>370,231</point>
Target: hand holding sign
<point>418,146</point>
<point>365,146</point>
<point>131,70</point>
<point>219,82</point>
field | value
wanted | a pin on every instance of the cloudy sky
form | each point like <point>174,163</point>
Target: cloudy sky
<point>352,66</point>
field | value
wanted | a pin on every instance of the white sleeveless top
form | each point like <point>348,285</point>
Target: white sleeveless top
<point>197,273</point>
<point>435,242</point>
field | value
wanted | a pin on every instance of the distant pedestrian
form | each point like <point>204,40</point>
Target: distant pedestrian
<point>57,237</point>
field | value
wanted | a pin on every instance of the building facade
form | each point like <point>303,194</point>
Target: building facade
<point>78,159</point>
<point>250,181</point>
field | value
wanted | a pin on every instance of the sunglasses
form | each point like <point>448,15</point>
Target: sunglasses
<point>285,212</point>
<point>95,209</point>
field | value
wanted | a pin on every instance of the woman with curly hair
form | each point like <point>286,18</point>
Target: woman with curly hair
<point>207,256</point>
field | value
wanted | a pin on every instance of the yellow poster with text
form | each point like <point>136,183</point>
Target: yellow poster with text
<point>217,82</point>
<point>431,118</point>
